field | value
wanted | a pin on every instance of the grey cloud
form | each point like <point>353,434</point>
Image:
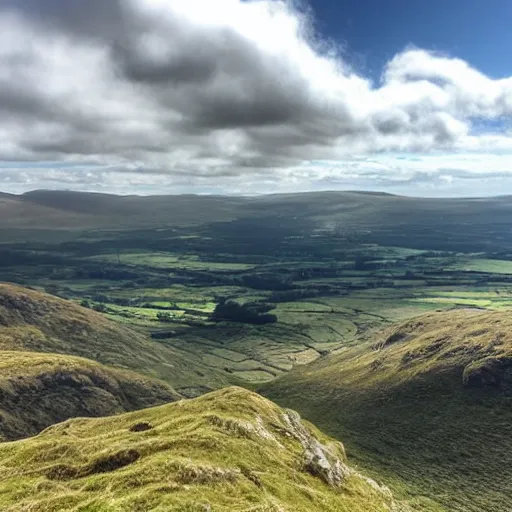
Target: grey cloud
<point>238,91</point>
<point>93,18</point>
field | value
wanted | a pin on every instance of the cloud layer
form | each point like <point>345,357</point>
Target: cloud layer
<point>197,93</point>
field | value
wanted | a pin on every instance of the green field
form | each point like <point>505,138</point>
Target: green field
<point>482,265</point>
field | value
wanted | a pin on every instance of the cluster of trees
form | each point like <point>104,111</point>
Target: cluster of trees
<point>98,306</point>
<point>162,316</point>
<point>16,258</point>
<point>249,313</point>
<point>173,306</point>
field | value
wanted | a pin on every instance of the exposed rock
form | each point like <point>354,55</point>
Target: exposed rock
<point>319,460</point>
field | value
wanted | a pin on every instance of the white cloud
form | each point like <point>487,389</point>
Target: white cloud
<point>229,94</point>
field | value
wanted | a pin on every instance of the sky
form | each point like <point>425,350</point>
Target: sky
<point>248,97</point>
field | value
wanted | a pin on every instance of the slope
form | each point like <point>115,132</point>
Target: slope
<point>461,224</point>
<point>135,211</point>
<point>427,407</point>
<point>228,451</point>
<point>454,224</point>
<point>19,214</point>
<point>38,390</point>
<point>38,322</point>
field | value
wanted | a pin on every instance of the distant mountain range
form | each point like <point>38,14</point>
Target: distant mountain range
<point>396,218</point>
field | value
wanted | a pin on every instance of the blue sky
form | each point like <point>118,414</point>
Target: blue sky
<point>477,31</point>
<point>237,97</point>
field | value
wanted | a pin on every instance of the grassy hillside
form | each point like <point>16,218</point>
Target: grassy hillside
<point>427,406</point>
<point>38,390</point>
<point>228,451</point>
<point>17,213</point>
<point>82,210</point>
<point>39,322</point>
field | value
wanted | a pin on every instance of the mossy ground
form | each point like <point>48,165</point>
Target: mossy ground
<point>227,451</point>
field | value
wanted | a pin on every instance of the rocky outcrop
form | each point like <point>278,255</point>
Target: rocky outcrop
<point>326,462</point>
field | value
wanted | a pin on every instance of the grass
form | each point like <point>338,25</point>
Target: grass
<point>426,405</point>
<point>483,265</point>
<point>206,307</point>
<point>492,298</point>
<point>38,390</point>
<point>169,261</point>
<point>229,451</point>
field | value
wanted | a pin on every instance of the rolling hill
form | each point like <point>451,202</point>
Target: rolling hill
<point>453,224</point>
<point>61,210</point>
<point>38,322</point>
<point>38,390</point>
<point>228,451</point>
<point>17,213</point>
<point>426,406</point>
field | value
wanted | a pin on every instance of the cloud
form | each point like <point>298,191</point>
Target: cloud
<point>205,92</point>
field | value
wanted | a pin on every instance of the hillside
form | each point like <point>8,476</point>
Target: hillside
<point>427,406</point>
<point>454,224</point>
<point>17,213</point>
<point>83,210</point>
<point>228,451</point>
<point>38,390</point>
<point>38,322</point>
